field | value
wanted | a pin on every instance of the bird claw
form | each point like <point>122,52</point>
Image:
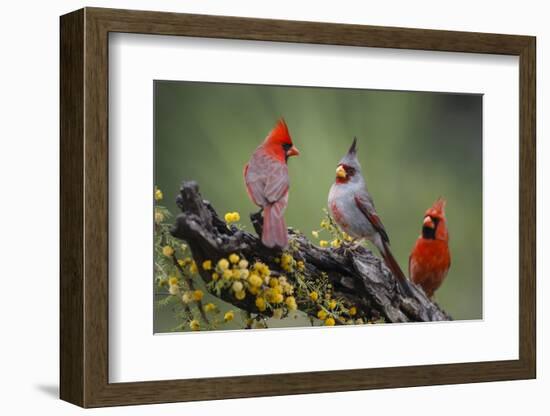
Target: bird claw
<point>352,247</point>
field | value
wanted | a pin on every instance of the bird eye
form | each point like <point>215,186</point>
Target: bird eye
<point>286,147</point>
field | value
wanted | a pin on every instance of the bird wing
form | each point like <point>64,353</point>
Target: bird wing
<point>266,179</point>
<point>366,206</point>
<point>277,181</point>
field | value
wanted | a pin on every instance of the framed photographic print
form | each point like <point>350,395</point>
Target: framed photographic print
<point>262,207</point>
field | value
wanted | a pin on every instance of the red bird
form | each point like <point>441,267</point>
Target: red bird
<point>352,207</point>
<point>430,258</point>
<point>267,183</point>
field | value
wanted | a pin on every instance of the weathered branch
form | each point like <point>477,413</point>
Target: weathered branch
<point>357,276</point>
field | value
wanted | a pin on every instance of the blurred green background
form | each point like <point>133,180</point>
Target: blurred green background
<point>413,147</point>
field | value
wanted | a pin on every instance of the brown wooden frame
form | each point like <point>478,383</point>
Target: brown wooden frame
<point>84,207</point>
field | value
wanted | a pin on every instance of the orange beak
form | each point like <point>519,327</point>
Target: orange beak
<point>428,222</point>
<point>292,152</point>
<point>340,172</point>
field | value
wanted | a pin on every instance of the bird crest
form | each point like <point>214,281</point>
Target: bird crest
<point>279,134</point>
<point>438,208</point>
<point>350,158</point>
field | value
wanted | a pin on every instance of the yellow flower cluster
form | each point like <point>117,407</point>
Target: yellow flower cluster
<point>159,217</point>
<point>158,194</point>
<point>287,262</point>
<point>194,325</point>
<point>229,315</point>
<point>324,316</point>
<point>168,251</point>
<point>232,217</point>
<point>337,235</point>
<point>241,278</point>
<point>174,289</point>
<point>335,243</point>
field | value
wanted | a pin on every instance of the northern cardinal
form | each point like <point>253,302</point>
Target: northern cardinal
<point>352,208</point>
<point>267,182</point>
<point>430,258</point>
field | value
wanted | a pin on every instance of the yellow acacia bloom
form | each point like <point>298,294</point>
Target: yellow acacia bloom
<point>240,295</point>
<point>291,303</point>
<point>232,217</point>
<point>215,277</point>
<point>173,280</point>
<point>254,290</point>
<point>168,251</point>
<point>243,264</point>
<point>186,297</point>
<point>315,234</point>
<point>237,287</point>
<point>314,296</point>
<point>193,268</point>
<point>234,258</point>
<point>255,280</point>
<point>330,322</point>
<point>158,194</point>
<point>227,274</point>
<point>194,325</point>
<point>207,265</point>
<point>352,311</point>
<point>229,315</point>
<point>277,298</point>
<point>159,217</point>
<point>332,304</point>
<point>260,304</point>
<point>286,262</point>
<point>223,264</point>
<point>209,307</point>
<point>300,266</point>
<point>174,290</point>
<point>335,243</point>
<point>323,243</point>
<point>322,315</point>
<point>197,295</point>
<point>262,268</point>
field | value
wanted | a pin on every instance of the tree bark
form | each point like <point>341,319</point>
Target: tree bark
<point>357,276</point>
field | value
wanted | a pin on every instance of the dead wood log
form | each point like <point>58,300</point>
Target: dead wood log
<point>357,276</point>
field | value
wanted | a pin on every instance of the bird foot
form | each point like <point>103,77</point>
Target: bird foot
<point>352,246</point>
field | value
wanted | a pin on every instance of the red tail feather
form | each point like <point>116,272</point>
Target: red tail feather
<point>274,233</point>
